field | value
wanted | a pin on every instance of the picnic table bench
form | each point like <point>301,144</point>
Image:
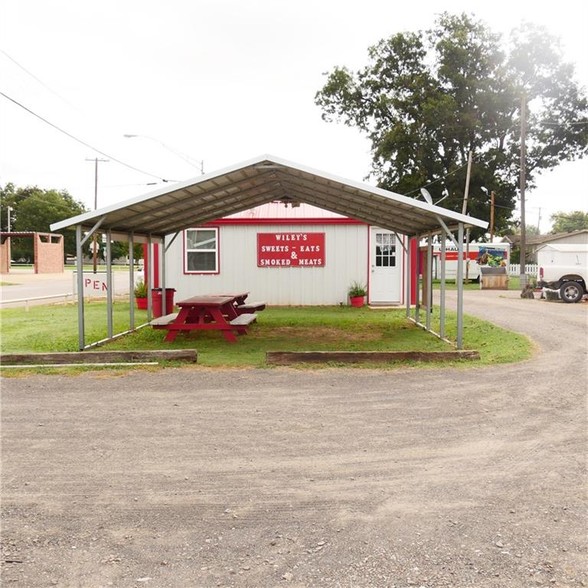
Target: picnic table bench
<point>244,319</point>
<point>164,320</point>
<point>207,313</point>
<point>246,307</point>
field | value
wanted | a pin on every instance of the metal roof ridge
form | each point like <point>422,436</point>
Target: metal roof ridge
<point>342,183</point>
<point>152,194</point>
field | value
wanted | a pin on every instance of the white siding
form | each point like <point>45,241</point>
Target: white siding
<point>578,238</point>
<point>346,260</point>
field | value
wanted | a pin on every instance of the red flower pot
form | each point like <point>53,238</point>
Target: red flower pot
<point>357,301</point>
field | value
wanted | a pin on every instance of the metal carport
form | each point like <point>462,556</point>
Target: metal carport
<point>159,216</point>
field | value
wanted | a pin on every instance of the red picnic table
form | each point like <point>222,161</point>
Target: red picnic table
<point>243,306</point>
<point>207,313</point>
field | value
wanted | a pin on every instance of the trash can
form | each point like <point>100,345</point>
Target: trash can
<point>157,301</point>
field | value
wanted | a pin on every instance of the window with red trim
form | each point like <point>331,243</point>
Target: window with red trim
<point>201,251</point>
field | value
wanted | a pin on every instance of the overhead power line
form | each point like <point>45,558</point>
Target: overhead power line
<point>84,143</point>
<point>438,179</point>
<point>38,80</point>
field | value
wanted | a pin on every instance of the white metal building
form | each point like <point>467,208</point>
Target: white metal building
<point>284,255</point>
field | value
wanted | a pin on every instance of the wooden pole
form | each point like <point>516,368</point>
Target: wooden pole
<point>95,238</point>
<point>464,209</point>
<point>523,181</point>
<point>491,216</point>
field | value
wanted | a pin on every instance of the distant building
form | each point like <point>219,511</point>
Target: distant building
<point>47,251</point>
<point>535,242</point>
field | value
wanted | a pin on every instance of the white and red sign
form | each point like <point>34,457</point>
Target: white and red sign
<point>290,249</point>
<point>94,284</point>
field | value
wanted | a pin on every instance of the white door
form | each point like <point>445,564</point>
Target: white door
<point>385,266</point>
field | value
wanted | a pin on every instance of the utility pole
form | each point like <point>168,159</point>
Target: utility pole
<point>464,209</point>
<point>523,182</point>
<point>539,222</point>
<point>491,216</point>
<point>94,240</point>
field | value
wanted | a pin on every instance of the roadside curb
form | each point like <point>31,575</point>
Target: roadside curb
<point>291,357</point>
<point>79,358</point>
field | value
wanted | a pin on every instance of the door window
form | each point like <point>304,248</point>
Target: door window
<point>385,250</point>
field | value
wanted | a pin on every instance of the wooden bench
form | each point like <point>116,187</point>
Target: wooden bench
<point>250,307</point>
<point>163,321</point>
<point>243,320</point>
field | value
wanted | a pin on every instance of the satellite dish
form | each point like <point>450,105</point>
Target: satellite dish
<point>426,196</point>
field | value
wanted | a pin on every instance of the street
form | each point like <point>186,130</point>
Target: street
<point>22,284</point>
<point>356,478</point>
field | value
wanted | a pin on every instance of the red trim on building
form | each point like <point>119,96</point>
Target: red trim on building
<point>400,260</point>
<point>156,265</point>
<point>283,221</point>
<point>414,269</point>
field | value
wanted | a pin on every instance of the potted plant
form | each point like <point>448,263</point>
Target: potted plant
<point>141,294</point>
<point>357,293</point>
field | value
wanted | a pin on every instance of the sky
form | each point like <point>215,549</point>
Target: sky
<point>206,84</point>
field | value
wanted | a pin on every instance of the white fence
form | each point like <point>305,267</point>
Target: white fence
<point>531,269</point>
<point>26,302</point>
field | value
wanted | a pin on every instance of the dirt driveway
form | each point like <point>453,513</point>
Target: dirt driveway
<point>328,478</point>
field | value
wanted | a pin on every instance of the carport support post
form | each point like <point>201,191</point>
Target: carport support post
<point>418,266</point>
<point>131,282</point>
<point>149,277</point>
<point>460,286</point>
<point>80,280</point>
<point>164,248</point>
<point>109,284</point>
<point>408,266</point>
<point>429,288</point>
<point>442,290</point>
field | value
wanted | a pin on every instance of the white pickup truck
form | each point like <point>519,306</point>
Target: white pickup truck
<point>564,268</point>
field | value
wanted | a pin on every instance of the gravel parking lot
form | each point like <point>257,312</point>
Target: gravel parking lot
<point>356,478</point>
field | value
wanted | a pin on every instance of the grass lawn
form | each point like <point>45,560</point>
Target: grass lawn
<point>326,328</point>
<point>514,283</point>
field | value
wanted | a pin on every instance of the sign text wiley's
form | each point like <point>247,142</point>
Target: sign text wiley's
<point>291,249</point>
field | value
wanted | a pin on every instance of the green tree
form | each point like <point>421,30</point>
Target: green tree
<point>121,249</point>
<point>11,197</point>
<point>513,231</point>
<point>35,209</point>
<point>565,222</point>
<point>532,231</point>
<point>426,100</point>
